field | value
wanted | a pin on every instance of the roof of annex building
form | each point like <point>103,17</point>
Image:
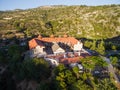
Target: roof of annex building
<point>68,59</point>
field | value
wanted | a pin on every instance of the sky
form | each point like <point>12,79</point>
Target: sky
<point>26,4</point>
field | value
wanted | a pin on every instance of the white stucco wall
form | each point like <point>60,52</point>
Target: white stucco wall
<point>37,50</point>
<point>78,46</point>
<point>59,50</point>
<point>52,61</point>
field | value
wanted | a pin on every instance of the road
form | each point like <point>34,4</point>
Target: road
<point>112,52</point>
<point>111,70</point>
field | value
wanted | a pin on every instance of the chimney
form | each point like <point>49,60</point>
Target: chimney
<point>52,36</point>
<point>39,37</point>
<point>65,36</point>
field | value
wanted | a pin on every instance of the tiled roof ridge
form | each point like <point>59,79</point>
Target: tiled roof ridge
<point>32,43</point>
<point>59,39</point>
<point>71,40</point>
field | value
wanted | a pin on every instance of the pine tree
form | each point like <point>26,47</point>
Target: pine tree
<point>93,47</point>
<point>101,48</point>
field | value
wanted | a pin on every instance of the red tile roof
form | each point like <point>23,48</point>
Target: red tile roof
<point>35,42</point>
<point>70,60</point>
<point>67,60</point>
<point>38,41</point>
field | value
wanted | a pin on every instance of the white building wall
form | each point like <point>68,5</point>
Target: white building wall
<point>53,62</point>
<point>37,50</point>
<point>78,46</point>
<point>59,50</point>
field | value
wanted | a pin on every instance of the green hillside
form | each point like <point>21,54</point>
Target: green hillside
<point>93,22</point>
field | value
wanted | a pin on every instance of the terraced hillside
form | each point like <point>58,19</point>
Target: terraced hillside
<point>92,22</point>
